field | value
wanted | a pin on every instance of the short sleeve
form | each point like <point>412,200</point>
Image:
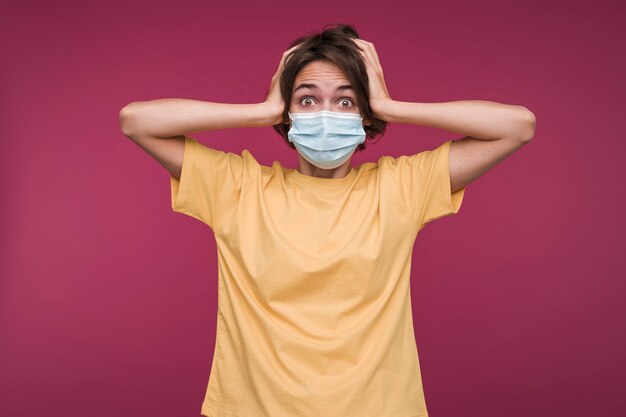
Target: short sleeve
<point>209,184</point>
<point>425,184</point>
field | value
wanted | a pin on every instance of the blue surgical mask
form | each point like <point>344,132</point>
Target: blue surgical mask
<point>325,138</point>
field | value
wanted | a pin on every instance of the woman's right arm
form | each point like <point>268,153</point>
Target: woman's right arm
<point>167,117</point>
<point>159,126</point>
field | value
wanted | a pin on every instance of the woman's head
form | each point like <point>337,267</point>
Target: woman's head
<point>322,63</point>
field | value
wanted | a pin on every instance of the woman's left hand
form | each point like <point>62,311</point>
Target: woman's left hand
<point>379,96</point>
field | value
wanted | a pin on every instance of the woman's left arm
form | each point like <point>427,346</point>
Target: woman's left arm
<point>493,131</point>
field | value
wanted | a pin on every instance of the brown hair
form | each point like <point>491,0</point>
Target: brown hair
<point>333,44</point>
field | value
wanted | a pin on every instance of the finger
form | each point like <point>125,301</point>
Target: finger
<point>288,51</point>
<point>291,49</point>
<point>375,54</point>
<point>363,50</point>
<point>372,57</point>
<point>370,53</point>
<point>283,59</point>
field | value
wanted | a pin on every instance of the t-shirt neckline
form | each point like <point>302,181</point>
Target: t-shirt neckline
<point>303,179</point>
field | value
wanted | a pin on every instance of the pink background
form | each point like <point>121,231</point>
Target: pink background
<point>108,298</point>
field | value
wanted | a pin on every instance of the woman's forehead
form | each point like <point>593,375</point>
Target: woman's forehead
<point>321,72</point>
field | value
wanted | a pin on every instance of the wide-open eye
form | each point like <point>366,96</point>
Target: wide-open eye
<point>344,101</point>
<point>306,101</point>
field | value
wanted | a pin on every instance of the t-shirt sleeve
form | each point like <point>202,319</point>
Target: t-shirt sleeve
<point>425,184</point>
<point>209,184</point>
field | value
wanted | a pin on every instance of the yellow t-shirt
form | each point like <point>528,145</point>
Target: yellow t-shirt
<point>314,307</point>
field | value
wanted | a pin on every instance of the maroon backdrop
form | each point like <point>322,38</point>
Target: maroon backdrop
<point>108,298</point>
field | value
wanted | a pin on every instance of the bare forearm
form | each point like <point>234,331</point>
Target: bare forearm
<point>486,120</point>
<point>168,117</point>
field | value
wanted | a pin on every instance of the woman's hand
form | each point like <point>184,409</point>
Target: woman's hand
<point>379,96</point>
<point>274,99</point>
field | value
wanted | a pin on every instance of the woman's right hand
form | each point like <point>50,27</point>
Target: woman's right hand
<point>274,98</point>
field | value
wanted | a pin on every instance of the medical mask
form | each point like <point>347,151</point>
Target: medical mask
<point>325,138</point>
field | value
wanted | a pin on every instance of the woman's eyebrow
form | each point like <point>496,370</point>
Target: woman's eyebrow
<point>314,87</point>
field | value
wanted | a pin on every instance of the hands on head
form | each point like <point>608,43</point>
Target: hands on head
<point>274,97</point>
<point>378,93</point>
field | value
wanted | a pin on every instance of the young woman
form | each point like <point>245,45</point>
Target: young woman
<point>314,308</point>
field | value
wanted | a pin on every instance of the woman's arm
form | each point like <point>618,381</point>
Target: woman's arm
<point>176,117</point>
<point>159,126</point>
<point>485,120</point>
<point>493,131</point>
<point>168,117</point>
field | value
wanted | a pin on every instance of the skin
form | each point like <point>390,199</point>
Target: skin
<point>492,131</point>
<point>327,77</point>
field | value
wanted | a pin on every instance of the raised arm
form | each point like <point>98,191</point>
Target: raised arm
<point>167,117</point>
<point>493,131</point>
<point>159,126</point>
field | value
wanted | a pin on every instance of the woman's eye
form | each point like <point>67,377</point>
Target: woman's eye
<point>345,102</point>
